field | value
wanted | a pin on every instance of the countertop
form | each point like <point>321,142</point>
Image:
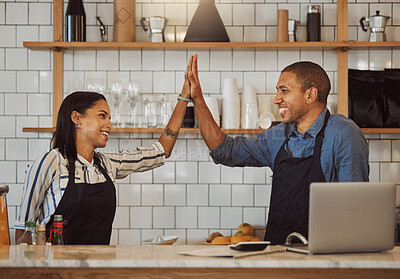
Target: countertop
<point>112,258</point>
<point>167,256</point>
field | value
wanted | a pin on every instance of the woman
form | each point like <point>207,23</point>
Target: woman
<point>75,181</point>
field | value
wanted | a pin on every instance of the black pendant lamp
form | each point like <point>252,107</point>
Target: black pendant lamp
<point>206,25</point>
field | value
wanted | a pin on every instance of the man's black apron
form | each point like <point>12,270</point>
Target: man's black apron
<point>88,210</point>
<point>291,181</point>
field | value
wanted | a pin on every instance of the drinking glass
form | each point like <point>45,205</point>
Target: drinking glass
<point>96,85</point>
<point>133,99</point>
<point>117,95</point>
<point>165,108</point>
<point>150,111</point>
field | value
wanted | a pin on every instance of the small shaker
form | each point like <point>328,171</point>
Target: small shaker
<point>292,28</point>
<point>313,23</point>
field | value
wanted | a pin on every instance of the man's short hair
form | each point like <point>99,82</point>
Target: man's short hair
<point>309,75</point>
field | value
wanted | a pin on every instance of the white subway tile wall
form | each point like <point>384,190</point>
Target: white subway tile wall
<point>189,196</point>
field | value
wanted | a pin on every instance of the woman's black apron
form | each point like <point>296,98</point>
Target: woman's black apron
<point>289,206</point>
<point>88,209</point>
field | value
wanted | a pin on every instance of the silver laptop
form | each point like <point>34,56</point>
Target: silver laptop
<point>350,217</point>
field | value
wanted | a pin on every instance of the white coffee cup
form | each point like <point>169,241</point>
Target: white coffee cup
<point>249,118</point>
<point>249,95</point>
<point>212,104</point>
<point>265,120</point>
<point>230,90</point>
<point>230,114</point>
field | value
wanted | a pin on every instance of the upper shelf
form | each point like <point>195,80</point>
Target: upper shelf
<point>170,45</point>
<point>206,45</point>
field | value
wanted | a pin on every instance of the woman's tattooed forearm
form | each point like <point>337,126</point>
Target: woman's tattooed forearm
<point>171,133</point>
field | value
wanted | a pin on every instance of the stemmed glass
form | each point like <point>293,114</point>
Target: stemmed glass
<point>116,95</point>
<point>133,98</point>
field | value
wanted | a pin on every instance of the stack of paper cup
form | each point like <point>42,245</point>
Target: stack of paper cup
<point>332,104</point>
<point>265,109</point>
<point>212,105</point>
<point>249,108</point>
<point>230,105</point>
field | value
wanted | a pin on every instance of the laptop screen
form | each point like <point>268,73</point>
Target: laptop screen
<point>352,217</point>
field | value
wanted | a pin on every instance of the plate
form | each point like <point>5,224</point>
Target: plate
<point>161,240</point>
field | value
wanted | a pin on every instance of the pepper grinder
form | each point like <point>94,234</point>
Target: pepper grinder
<point>313,23</point>
<point>292,28</point>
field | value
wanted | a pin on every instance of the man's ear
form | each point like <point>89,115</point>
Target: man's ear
<point>312,95</point>
<point>75,117</point>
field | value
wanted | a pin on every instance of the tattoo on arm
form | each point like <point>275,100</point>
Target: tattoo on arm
<point>173,134</point>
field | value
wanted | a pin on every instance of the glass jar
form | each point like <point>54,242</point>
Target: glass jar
<point>41,235</point>
<point>29,235</point>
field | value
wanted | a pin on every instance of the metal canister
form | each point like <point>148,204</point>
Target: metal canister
<point>313,23</point>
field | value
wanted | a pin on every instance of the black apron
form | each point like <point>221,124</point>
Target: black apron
<point>289,206</point>
<point>88,210</point>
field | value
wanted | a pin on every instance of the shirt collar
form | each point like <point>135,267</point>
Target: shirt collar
<point>84,161</point>
<point>315,127</point>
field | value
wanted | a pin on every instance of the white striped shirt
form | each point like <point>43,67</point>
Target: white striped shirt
<point>47,177</point>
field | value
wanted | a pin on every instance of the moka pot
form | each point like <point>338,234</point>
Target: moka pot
<point>156,27</point>
<point>377,24</point>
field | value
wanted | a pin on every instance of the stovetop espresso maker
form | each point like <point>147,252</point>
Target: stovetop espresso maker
<point>156,26</point>
<point>377,24</point>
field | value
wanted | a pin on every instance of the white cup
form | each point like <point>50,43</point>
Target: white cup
<point>230,90</point>
<point>265,103</point>
<point>230,114</point>
<point>265,120</point>
<point>249,116</point>
<point>212,104</point>
<point>249,95</point>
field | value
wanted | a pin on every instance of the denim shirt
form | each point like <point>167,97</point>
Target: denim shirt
<point>344,153</point>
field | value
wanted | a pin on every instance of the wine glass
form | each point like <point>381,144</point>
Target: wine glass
<point>116,95</point>
<point>96,85</point>
<point>133,98</point>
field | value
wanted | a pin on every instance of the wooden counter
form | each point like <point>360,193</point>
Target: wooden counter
<point>165,262</point>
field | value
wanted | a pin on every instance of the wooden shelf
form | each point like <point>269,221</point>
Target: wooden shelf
<point>380,130</point>
<point>196,130</point>
<point>208,45</point>
<point>215,46</point>
<point>373,45</point>
<point>150,130</point>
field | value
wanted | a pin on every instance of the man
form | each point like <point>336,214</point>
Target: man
<point>310,145</point>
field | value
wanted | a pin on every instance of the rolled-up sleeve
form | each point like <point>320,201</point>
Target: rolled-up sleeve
<point>140,160</point>
<point>241,151</point>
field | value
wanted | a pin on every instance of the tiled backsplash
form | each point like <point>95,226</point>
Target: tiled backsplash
<point>190,196</point>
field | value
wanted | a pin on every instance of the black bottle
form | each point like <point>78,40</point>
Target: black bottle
<point>75,22</point>
<point>206,25</point>
<point>313,23</point>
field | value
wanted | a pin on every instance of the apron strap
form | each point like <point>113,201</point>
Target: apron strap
<point>321,134</point>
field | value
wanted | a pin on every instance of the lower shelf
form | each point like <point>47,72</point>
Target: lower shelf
<point>196,130</point>
<point>151,130</point>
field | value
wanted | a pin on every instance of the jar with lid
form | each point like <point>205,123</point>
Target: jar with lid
<point>41,235</point>
<point>313,23</point>
<point>29,235</point>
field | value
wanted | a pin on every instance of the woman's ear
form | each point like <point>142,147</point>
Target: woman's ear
<point>75,117</point>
